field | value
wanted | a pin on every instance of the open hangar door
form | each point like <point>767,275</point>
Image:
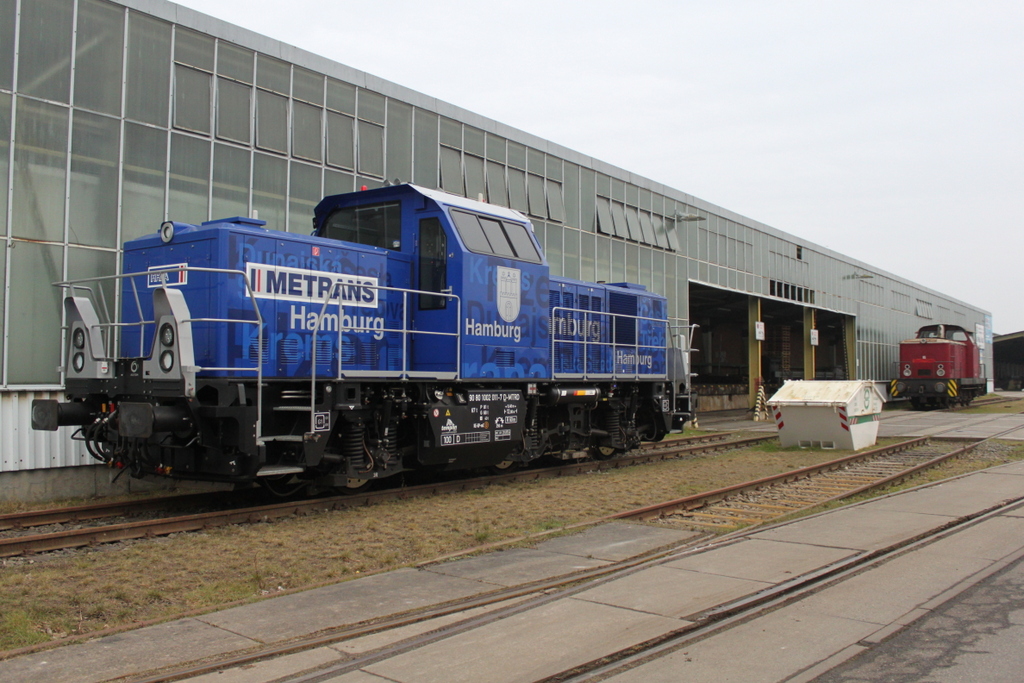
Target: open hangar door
<point>721,359</point>
<point>732,363</point>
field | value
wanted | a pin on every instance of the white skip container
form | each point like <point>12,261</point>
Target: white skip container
<point>823,414</point>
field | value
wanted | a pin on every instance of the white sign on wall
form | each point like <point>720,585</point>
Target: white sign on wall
<point>814,337</point>
<point>759,331</point>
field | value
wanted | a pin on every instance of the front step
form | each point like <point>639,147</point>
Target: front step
<point>276,470</point>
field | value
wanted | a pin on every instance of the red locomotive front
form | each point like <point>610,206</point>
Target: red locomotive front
<point>938,368</point>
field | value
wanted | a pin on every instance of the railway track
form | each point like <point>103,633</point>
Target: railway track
<point>19,540</point>
<point>828,481</point>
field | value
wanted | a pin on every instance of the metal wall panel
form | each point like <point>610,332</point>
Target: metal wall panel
<point>23,448</point>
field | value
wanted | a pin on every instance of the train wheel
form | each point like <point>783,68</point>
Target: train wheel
<point>503,467</point>
<point>354,486</point>
<point>284,486</point>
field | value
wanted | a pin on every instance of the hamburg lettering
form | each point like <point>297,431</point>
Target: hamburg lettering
<point>495,329</point>
<point>312,286</point>
<point>301,319</point>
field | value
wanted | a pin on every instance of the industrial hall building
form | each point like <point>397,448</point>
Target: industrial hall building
<point>116,115</point>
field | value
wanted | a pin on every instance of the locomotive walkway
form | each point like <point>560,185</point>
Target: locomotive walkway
<point>806,637</point>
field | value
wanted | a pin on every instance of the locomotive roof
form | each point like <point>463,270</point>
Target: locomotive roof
<point>439,196</point>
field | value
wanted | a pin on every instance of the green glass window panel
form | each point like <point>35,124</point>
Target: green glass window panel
<point>370,148</point>
<point>554,168</point>
<point>341,140</point>
<point>193,48</point>
<point>40,167</point>
<point>5,148</point>
<point>603,260</point>
<point>646,269</point>
<point>273,74</point>
<point>234,62</point>
<point>516,155</point>
<point>336,182</point>
<point>271,121</point>
<point>619,217</point>
<point>234,111</point>
<point>307,131</point>
<point>475,188</point>
<point>517,190</point>
<point>632,263</point>
<point>149,69</point>
<point>632,194</point>
<point>399,144</point>
<point>341,96</point>
<point>44,49</point>
<point>424,171</point>
<point>270,189</point>
<point>496,192</point>
<point>451,133</point>
<point>495,148</point>
<point>142,191</point>
<point>603,184</point>
<point>571,192</point>
<point>451,171</point>
<point>618,190</point>
<point>308,86</point>
<point>535,192</point>
<point>671,231</point>
<point>189,183</point>
<point>588,207</point>
<point>556,207</point>
<point>473,139</point>
<point>192,98</point>
<point>95,154</point>
<point>535,161</point>
<point>7,24</point>
<point>371,106</point>
<point>88,263</point>
<point>618,261</point>
<point>303,195</point>
<point>553,248</point>
<point>571,249</point>
<point>644,199</point>
<point>98,56</point>
<point>588,270</point>
<point>605,223</point>
<point>3,279</point>
<point>35,313</point>
<point>230,192</point>
<point>633,224</point>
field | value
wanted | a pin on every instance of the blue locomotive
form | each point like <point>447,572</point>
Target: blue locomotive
<point>413,329</point>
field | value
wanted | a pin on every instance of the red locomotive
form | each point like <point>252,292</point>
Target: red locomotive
<point>938,368</point>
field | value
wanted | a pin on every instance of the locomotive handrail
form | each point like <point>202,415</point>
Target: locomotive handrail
<point>405,372</point>
<point>586,343</point>
<point>142,323</point>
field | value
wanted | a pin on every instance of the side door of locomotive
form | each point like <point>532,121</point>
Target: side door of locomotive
<point>434,318</point>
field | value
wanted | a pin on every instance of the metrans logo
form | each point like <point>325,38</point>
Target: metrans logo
<point>298,284</point>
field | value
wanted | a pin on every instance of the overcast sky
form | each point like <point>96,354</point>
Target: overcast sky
<point>891,131</point>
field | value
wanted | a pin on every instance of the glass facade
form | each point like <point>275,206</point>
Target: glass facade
<point>113,119</point>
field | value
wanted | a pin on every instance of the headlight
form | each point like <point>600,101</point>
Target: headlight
<point>78,362</point>
<point>906,370</point>
<point>167,361</point>
<point>78,338</point>
<point>167,334</point>
<point>940,371</point>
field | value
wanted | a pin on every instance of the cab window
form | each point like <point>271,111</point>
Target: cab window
<point>486,235</point>
<point>375,225</point>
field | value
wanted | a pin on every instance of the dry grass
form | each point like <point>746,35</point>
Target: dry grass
<point>56,596</point>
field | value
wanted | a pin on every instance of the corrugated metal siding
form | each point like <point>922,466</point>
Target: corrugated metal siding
<point>23,448</point>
